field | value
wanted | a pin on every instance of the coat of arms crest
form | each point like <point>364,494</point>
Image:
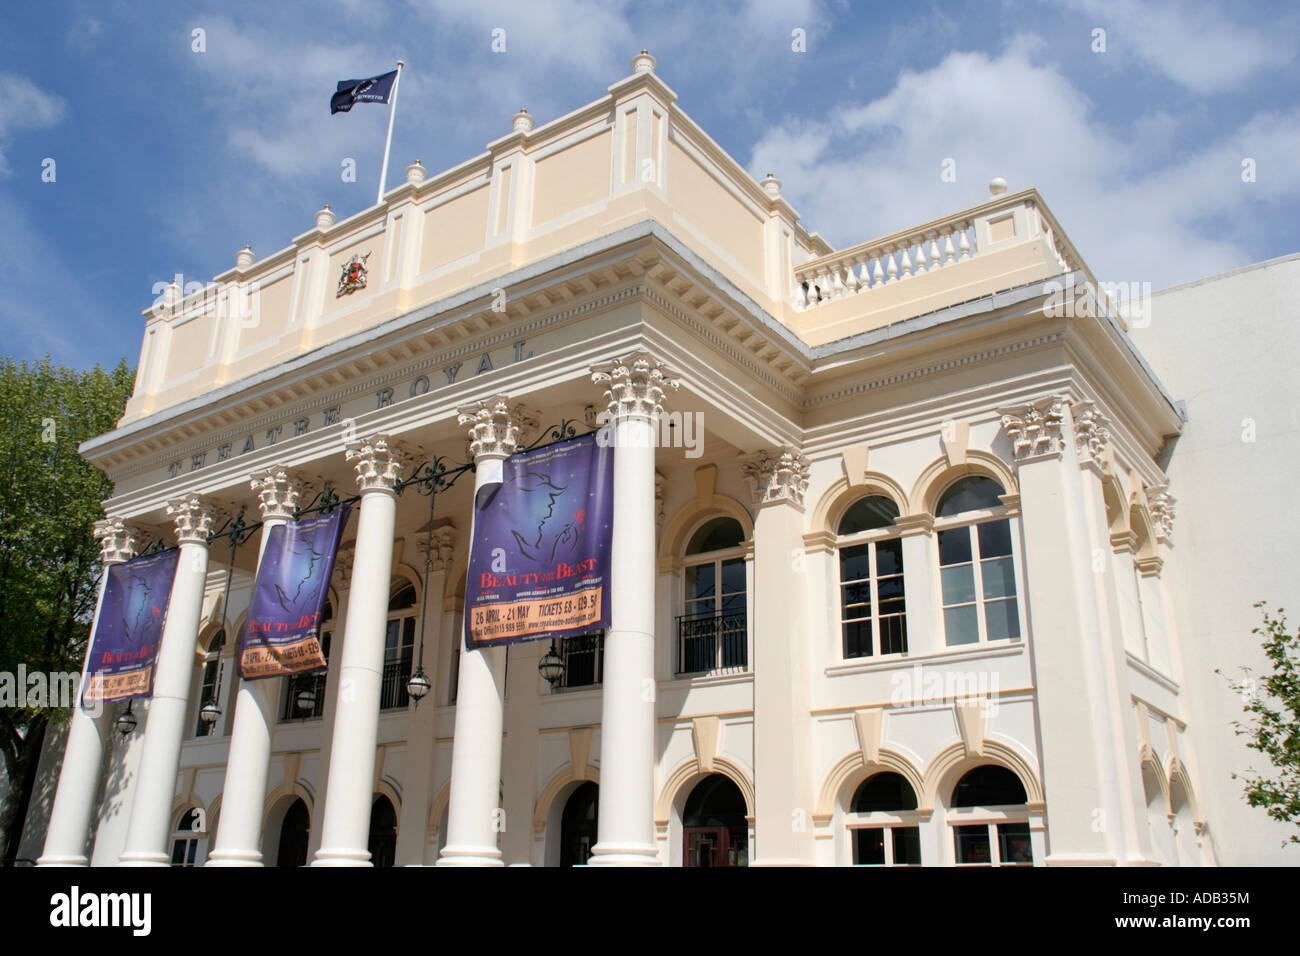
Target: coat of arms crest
<point>353,277</point>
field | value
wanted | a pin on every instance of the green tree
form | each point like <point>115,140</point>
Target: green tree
<point>49,561</point>
<point>1273,727</point>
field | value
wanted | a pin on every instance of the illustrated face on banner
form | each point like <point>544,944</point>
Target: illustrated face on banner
<point>539,560</point>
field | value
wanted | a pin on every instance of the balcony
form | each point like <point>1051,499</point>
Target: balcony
<point>294,687</point>
<point>714,643</point>
<point>392,692</point>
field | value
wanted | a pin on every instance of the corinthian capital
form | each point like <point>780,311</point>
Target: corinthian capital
<point>1035,428</point>
<point>496,427</point>
<point>193,516</point>
<point>441,548</point>
<point>117,540</point>
<point>1161,505</point>
<point>637,385</point>
<point>777,476</point>
<point>1091,431</point>
<point>378,460</point>
<point>278,492</point>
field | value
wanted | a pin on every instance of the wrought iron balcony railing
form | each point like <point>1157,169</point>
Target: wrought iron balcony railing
<point>713,643</point>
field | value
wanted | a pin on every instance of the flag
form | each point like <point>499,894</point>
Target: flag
<point>539,559</point>
<point>373,90</point>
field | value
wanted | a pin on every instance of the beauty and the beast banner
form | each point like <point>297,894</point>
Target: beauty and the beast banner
<point>282,631</point>
<point>539,561</point>
<point>129,629</point>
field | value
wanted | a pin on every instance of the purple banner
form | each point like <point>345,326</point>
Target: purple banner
<point>539,561</point>
<point>130,628</point>
<point>282,630</point>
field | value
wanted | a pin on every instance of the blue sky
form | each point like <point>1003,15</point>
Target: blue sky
<point>169,160</point>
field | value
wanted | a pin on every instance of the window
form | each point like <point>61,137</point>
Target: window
<point>989,820</point>
<point>883,823</point>
<point>186,838</point>
<point>210,684</point>
<point>976,564</point>
<point>712,633</point>
<point>399,647</point>
<point>584,660</point>
<point>872,606</point>
<point>304,694</point>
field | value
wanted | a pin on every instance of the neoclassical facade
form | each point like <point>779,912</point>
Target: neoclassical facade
<point>889,579</point>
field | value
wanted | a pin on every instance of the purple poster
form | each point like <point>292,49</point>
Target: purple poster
<point>539,561</point>
<point>130,628</point>
<point>282,630</point>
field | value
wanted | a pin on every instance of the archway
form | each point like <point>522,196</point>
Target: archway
<point>714,829</point>
<point>383,832</point>
<point>295,835</point>
<point>578,825</point>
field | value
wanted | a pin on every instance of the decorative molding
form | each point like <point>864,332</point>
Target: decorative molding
<point>344,558</point>
<point>278,492</point>
<point>193,516</point>
<point>118,540</point>
<point>869,722</point>
<point>378,460</point>
<point>855,464</point>
<point>1161,505</point>
<point>970,721</point>
<point>780,476</point>
<point>705,732</point>
<point>637,385</point>
<point>443,544</point>
<point>955,445</point>
<point>1035,428</point>
<point>661,481</point>
<point>1091,431</point>
<point>496,428</point>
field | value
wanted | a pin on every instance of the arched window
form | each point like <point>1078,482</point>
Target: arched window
<point>399,646</point>
<point>189,839</point>
<point>714,828</point>
<point>383,832</point>
<point>883,822</point>
<point>295,835</point>
<point>989,819</point>
<point>578,825</point>
<point>976,563</point>
<point>304,694</point>
<point>210,684</point>
<point>873,617</point>
<point>712,630</point>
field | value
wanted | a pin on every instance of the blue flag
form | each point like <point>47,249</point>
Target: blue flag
<point>373,90</point>
<point>129,629</point>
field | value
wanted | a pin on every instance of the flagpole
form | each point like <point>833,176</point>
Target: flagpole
<point>388,143</point>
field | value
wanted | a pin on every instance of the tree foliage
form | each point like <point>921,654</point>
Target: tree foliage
<point>49,561</point>
<point>1273,725</point>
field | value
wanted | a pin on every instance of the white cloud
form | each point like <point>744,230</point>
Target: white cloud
<point>24,105</point>
<point>1197,45</point>
<point>873,168</point>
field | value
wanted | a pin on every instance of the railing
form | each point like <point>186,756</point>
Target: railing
<point>713,643</point>
<point>584,660</point>
<point>938,244</point>
<point>392,692</point>
<point>295,685</point>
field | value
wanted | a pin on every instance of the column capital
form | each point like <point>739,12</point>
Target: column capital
<point>496,427</point>
<point>440,549</point>
<point>378,460</point>
<point>278,492</point>
<point>193,516</point>
<point>637,385</point>
<point>778,476</point>
<point>1035,428</point>
<point>1161,505</point>
<point>1091,431</point>
<point>344,558</point>
<point>118,541</point>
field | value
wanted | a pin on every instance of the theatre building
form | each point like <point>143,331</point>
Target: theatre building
<point>891,547</point>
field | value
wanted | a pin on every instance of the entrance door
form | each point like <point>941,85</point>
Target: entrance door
<point>578,825</point>
<point>714,828</point>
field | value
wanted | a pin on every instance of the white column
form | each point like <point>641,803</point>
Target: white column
<point>473,820</point>
<point>149,828</point>
<point>417,767</point>
<point>783,793</point>
<point>520,752</point>
<point>239,836</point>
<point>343,574</point>
<point>345,829</point>
<point>88,735</point>
<point>626,831</point>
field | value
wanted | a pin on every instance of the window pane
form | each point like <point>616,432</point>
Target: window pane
<point>954,546</point>
<point>734,603</point>
<point>699,581</point>
<point>1001,620</point>
<point>178,853</point>
<point>868,847</point>
<point>857,638</point>
<point>890,589</point>
<point>907,846</point>
<point>854,563</point>
<point>889,556</point>
<point>855,599</point>
<point>995,539</point>
<point>961,625</point>
<point>1013,843</point>
<point>972,844</point>
<point>893,634</point>
<point>733,575</point>
<point>958,584</point>
<point>716,535</point>
<point>867,514</point>
<point>969,494</point>
<point>999,578</point>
